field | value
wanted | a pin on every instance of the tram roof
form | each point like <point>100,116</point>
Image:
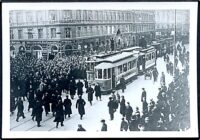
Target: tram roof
<point>148,49</point>
<point>104,65</point>
<point>132,48</point>
<point>119,57</point>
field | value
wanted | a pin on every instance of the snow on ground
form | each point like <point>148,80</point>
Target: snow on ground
<point>99,110</point>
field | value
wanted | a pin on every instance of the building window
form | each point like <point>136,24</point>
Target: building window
<point>53,32</point>
<point>78,15</point>
<point>11,34</point>
<point>97,30</point>
<point>85,31</point>
<point>20,35</point>
<point>67,32</point>
<point>52,15</point>
<point>30,34</point>
<point>29,17</point>
<point>78,31</point>
<point>40,33</point>
<point>19,17</point>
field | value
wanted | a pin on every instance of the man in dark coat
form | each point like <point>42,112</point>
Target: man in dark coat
<point>155,74</point>
<point>86,83</point>
<point>54,102</point>
<point>80,128</point>
<point>30,98</point>
<point>38,112</point>
<point>80,88</point>
<point>128,112</point>
<point>122,83</point>
<point>33,114</point>
<point>97,89</point>
<point>72,88</point>
<point>104,125</point>
<point>90,92</point>
<point>145,106</point>
<point>20,107</point>
<point>144,95</point>
<point>124,125</point>
<point>67,104</point>
<point>46,103</point>
<point>59,114</point>
<point>111,107</point>
<point>80,105</point>
<point>122,106</point>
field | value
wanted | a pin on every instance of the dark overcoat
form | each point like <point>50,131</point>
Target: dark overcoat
<point>111,107</point>
<point>59,113</point>
<point>122,107</point>
<point>80,105</point>
<point>67,104</point>
<point>38,111</point>
<point>80,88</point>
<point>97,89</point>
<point>90,92</point>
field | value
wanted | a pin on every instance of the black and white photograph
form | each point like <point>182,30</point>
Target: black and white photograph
<point>125,68</point>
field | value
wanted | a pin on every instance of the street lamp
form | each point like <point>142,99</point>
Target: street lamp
<point>174,41</point>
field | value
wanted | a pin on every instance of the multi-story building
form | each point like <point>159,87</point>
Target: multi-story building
<point>169,20</point>
<point>43,32</point>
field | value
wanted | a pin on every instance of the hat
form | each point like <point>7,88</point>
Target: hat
<point>110,97</point>
<point>143,88</point>
<point>102,120</point>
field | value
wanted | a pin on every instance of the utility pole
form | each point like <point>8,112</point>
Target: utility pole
<point>174,41</point>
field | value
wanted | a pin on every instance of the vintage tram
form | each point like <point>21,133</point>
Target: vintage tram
<point>106,70</point>
<point>109,72</point>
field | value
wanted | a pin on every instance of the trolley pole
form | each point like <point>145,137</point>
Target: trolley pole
<point>174,42</point>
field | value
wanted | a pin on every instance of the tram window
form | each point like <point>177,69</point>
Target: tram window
<point>120,69</point>
<point>99,74</point>
<point>146,57</point>
<point>125,67</point>
<point>109,74</point>
<point>149,56</point>
<point>105,73</point>
<point>134,63</point>
<point>92,66</point>
<point>129,65</point>
<point>96,73</point>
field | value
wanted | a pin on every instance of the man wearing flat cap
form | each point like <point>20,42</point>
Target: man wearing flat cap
<point>104,126</point>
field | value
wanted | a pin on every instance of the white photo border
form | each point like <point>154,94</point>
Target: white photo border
<point>6,7</point>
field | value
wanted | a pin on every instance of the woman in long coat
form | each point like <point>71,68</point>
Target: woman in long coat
<point>90,92</point>
<point>72,88</point>
<point>59,114</point>
<point>80,105</point>
<point>67,104</point>
<point>122,106</point>
<point>80,88</point>
<point>97,89</point>
<point>38,112</point>
<point>46,102</point>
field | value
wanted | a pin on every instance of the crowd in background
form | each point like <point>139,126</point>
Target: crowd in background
<point>42,83</point>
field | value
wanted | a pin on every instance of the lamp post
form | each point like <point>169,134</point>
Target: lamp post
<point>174,41</point>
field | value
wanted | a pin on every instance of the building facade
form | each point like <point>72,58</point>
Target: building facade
<point>44,32</point>
<point>169,20</point>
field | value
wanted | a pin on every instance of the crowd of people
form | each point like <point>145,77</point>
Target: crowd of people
<point>171,111</point>
<point>43,82</point>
